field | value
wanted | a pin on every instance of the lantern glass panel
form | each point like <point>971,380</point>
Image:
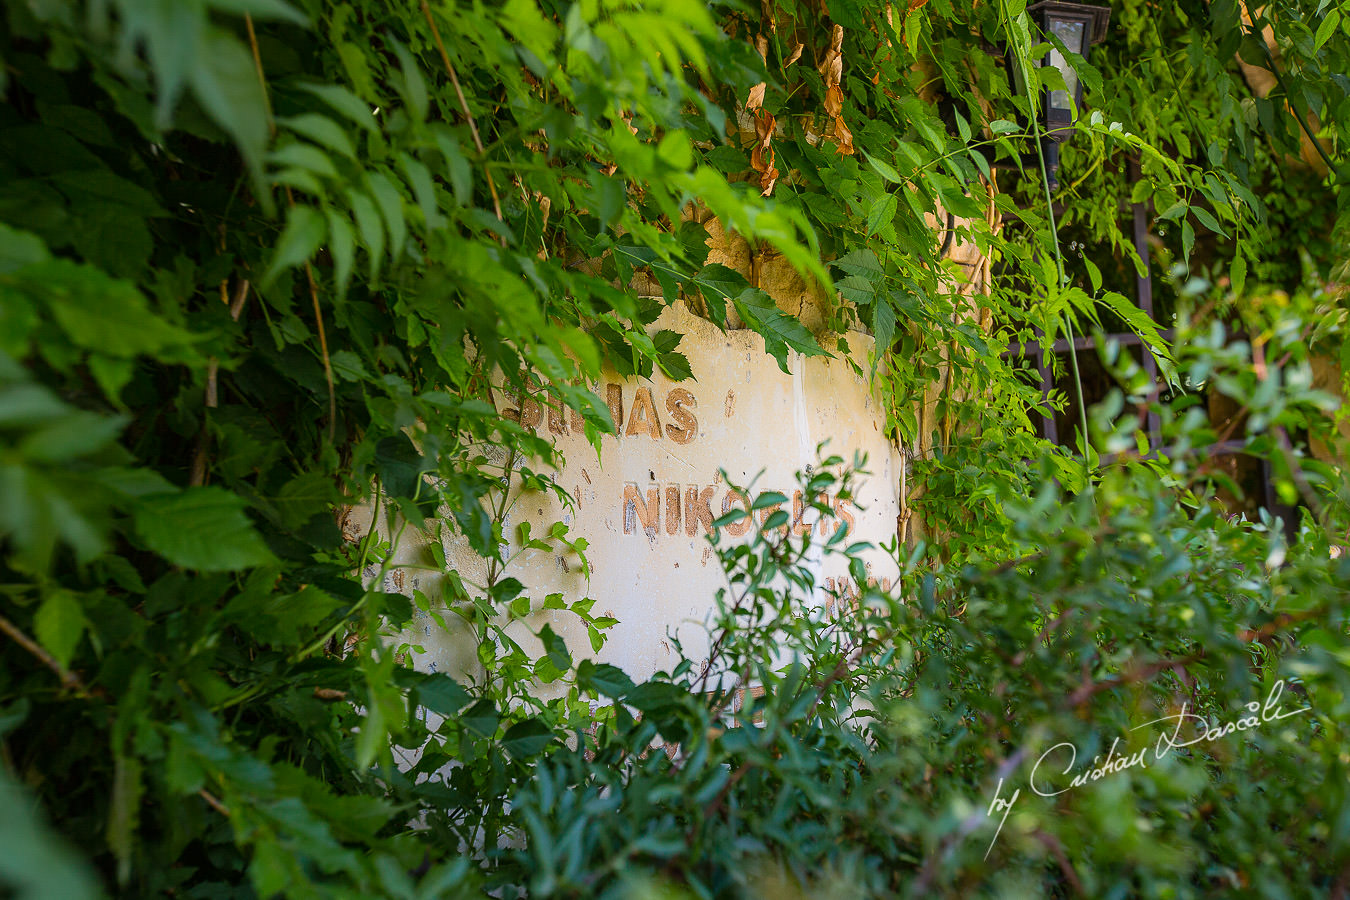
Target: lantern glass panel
<point>1071,33</point>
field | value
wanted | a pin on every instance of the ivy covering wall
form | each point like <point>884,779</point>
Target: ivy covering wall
<point>264,260</point>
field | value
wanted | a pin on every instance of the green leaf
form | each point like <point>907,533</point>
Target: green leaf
<point>1178,208</point>
<point>675,366</point>
<point>323,131</point>
<point>59,625</point>
<point>202,528</point>
<point>526,738</point>
<point>981,163</point>
<point>100,313</point>
<point>1138,320</point>
<point>303,156</point>
<point>400,466</point>
<point>414,87</point>
<point>442,694</point>
<point>883,325</point>
<point>270,868</point>
<point>424,189</point>
<point>1094,274</point>
<point>301,239</point>
<point>1207,219</point>
<point>962,126</point>
<point>604,679</point>
<point>225,82</point>
<point>555,648</point>
<point>391,205</point>
<point>348,366</point>
<point>113,237</point>
<point>1327,28</point>
<point>779,330</point>
<point>37,863</point>
<point>862,261</point>
<point>717,284</point>
<point>881,213</point>
<point>654,697</point>
<point>727,159</point>
<point>768,499</point>
<point>182,772</point>
<point>73,435</point>
<point>457,166</point>
<point>676,150</point>
<point>173,36</point>
<point>342,244</point>
<point>345,102</point>
<point>884,169</point>
<point>1238,276</point>
<point>372,230</point>
<point>19,249</point>
<point>607,196</point>
<point>481,718</point>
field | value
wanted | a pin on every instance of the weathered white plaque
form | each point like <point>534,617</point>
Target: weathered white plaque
<point>646,505</point>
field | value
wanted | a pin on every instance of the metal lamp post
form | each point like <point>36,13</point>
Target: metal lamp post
<point>1077,26</point>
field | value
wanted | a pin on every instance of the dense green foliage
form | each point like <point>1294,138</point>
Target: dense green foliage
<point>260,261</point>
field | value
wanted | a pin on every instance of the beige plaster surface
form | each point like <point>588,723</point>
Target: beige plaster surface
<point>645,505</point>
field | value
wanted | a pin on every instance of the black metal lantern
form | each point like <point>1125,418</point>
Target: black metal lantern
<point>1078,26</point>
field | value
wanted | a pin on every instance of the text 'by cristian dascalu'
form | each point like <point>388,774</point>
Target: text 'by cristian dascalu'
<point>1061,758</point>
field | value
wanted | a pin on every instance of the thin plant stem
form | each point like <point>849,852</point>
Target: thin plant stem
<point>1059,256</point>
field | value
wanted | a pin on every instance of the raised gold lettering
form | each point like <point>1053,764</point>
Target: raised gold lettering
<point>635,509</point>
<point>799,527</point>
<point>841,505</point>
<point>679,402</point>
<point>642,419</point>
<point>736,529</point>
<point>530,412</point>
<point>673,509</point>
<point>614,398</point>
<point>556,423</point>
<point>698,509</point>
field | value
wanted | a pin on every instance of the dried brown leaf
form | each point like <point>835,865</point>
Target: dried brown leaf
<point>834,100</point>
<point>843,136</point>
<point>767,181</point>
<point>764,126</point>
<point>762,156</point>
<point>756,98</point>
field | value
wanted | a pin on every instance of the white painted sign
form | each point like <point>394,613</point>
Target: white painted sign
<point>647,504</point>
